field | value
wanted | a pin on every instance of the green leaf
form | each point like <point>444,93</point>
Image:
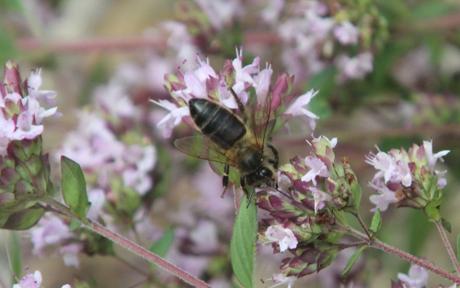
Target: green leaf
<point>15,255</point>
<point>73,187</point>
<point>242,245</point>
<point>162,245</point>
<point>376,221</point>
<point>458,247</point>
<point>357,194</point>
<point>353,260</point>
<point>23,219</point>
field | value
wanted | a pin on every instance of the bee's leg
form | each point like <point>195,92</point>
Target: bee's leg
<point>276,159</point>
<point>239,103</point>
<point>225,179</point>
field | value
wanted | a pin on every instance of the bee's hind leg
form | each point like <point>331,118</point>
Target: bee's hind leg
<point>225,180</point>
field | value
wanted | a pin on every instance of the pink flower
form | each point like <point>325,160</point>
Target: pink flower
<point>392,167</point>
<point>416,278</point>
<point>243,75</point>
<point>320,198</point>
<point>281,279</point>
<point>173,118</point>
<point>384,198</point>
<point>97,199</point>
<point>220,12</point>
<point>317,168</point>
<point>31,280</point>
<point>298,107</point>
<point>346,33</point>
<point>262,84</point>
<point>433,158</point>
<point>272,11</point>
<point>70,253</point>
<point>319,27</point>
<point>139,162</point>
<point>284,237</point>
<point>356,67</point>
<point>50,230</point>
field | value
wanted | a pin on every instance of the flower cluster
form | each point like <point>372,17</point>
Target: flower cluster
<point>246,82</point>
<point>303,209</point>
<point>33,280</point>
<point>407,178</point>
<point>24,169</point>
<point>316,34</point>
<point>117,160</point>
<point>23,107</point>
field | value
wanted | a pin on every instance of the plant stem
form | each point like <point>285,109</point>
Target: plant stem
<point>363,225</point>
<point>377,244</point>
<point>448,246</point>
<point>129,245</point>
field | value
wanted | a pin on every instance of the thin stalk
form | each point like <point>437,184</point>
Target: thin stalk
<point>377,244</point>
<point>447,245</point>
<point>129,245</point>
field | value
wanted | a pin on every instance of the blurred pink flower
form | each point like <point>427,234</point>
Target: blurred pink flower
<point>221,12</point>
<point>298,107</point>
<point>31,280</point>
<point>355,67</point>
<point>70,253</point>
<point>272,11</point>
<point>346,33</point>
<point>281,279</point>
<point>416,278</point>
<point>284,237</point>
<point>50,230</point>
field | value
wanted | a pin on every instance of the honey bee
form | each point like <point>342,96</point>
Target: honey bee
<point>238,142</point>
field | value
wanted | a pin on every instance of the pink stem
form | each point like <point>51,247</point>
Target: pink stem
<point>135,248</point>
<point>146,254</point>
<point>377,244</point>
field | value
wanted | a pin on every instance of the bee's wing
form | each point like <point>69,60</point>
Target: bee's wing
<point>200,147</point>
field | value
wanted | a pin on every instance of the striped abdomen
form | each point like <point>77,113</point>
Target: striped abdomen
<point>216,122</point>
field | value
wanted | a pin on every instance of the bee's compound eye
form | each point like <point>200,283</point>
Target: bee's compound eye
<point>265,173</point>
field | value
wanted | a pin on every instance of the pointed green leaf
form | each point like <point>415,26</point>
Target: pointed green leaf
<point>162,245</point>
<point>73,187</point>
<point>242,245</point>
<point>353,260</point>
<point>23,219</point>
<point>376,221</point>
<point>15,255</point>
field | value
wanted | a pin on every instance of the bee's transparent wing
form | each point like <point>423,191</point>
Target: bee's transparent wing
<point>200,147</point>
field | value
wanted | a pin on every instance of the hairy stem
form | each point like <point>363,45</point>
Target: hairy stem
<point>129,245</point>
<point>448,246</point>
<point>377,244</point>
